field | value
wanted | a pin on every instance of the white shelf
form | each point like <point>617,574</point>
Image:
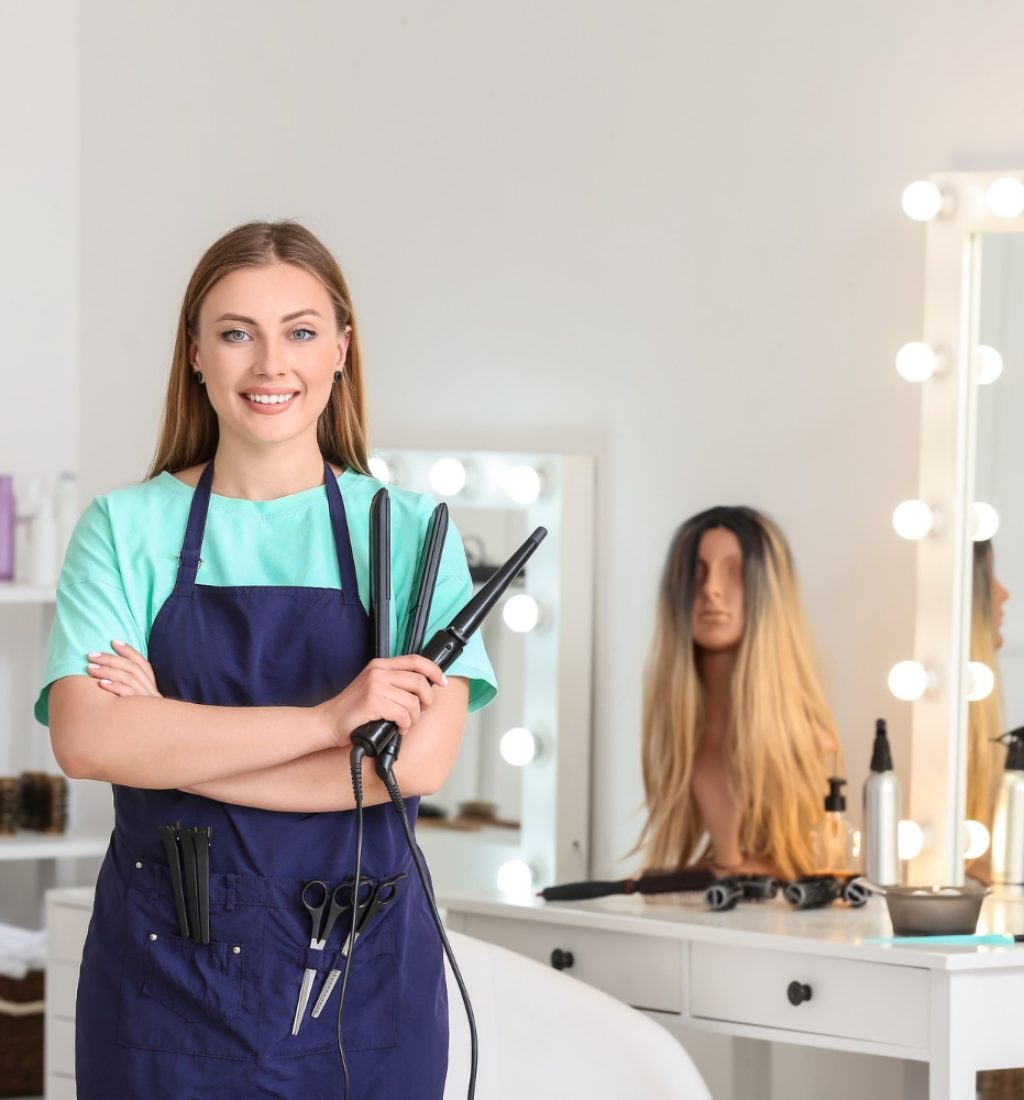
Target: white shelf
<point>17,592</point>
<point>26,845</point>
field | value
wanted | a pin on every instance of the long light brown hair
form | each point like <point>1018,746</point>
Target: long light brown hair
<point>189,431</point>
<point>778,712</point>
<point>985,756</point>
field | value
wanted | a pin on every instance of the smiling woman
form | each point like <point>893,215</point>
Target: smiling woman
<point>235,577</point>
<point>736,730</point>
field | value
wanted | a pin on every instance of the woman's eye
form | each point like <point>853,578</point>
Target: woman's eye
<point>234,332</point>
<point>304,339</point>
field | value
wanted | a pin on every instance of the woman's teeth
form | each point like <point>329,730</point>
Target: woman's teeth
<point>271,399</point>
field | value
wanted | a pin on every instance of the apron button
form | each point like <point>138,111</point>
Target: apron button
<point>236,950</point>
<point>138,866</point>
<point>152,935</point>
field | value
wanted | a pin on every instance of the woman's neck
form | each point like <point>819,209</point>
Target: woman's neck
<point>266,472</point>
<point>715,669</point>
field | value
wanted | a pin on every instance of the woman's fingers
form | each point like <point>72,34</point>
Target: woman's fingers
<point>123,675</point>
<point>138,660</point>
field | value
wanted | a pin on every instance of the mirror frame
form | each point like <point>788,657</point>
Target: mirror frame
<point>938,772</point>
<point>554,835</point>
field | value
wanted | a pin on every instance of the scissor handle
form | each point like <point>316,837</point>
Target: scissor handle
<point>315,912</point>
<point>383,894</point>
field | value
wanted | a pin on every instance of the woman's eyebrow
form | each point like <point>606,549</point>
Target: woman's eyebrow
<point>249,321</point>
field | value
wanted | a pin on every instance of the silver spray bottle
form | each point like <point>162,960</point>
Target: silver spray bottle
<point>1008,823</point>
<point>881,814</point>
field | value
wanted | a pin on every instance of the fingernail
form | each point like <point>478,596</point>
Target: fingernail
<point>91,665</point>
<point>444,679</point>
<point>117,643</point>
<point>105,681</point>
<point>93,656</point>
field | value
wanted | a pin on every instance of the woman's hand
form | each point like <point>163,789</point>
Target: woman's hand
<point>125,672</point>
<point>397,689</point>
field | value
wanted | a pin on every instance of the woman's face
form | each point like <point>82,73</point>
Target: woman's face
<point>268,330</point>
<point>718,617</point>
<point>999,597</point>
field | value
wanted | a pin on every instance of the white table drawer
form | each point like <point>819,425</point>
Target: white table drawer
<point>859,1000</point>
<point>643,971</point>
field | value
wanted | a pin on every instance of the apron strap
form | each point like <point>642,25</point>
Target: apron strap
<point>189,559</point>
<point>342,542</point>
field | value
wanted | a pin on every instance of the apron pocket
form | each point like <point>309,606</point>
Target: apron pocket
<point>187,998</point>
<point>368,1022</point>
<point>198,981</point>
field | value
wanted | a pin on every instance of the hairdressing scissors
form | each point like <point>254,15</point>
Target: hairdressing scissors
<point>381,895</point>
<point>341,899</point>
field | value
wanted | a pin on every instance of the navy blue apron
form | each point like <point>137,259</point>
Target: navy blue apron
<point>161,1016</point>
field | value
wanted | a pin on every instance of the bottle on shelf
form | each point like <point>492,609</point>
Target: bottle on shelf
<point>27,501</point>
<point>835,844</point>
<point>67,508</point>
<point>881,814</point>
<point>7,527</point>
<point>43,543</point>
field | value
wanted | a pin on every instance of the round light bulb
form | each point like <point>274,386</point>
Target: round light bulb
<point>448,476</point>
<point>922,200</point>
<point>522,483</point>
<point>518,746</point>
<point>916,361</point>
<point>975,839</point>
<point>1005,197</point>
<point>981,680</point>
<point>521,613</point>
<point>913,519</point>
<point>988,365</point>
<point>515,876</point>
<point>984,521</point>
<point>909,839</point>
<point>908,680</point>
<point>380,469</point>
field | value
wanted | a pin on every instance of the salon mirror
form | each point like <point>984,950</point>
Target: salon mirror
<point>969,462</point>
<point>513,814</point>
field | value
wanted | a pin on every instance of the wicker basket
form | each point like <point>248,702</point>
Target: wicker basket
<point>1001,1084</point>
<point>21,1035</point>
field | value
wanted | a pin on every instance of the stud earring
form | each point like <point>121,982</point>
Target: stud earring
<point>337,376</point>
<point>199,377</point>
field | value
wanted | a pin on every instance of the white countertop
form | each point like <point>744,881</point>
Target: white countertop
<point>837,931</point>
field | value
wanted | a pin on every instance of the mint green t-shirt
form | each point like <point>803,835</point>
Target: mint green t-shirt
<point>122,561</point>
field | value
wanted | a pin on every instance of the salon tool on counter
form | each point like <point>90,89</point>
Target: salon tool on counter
<point>316,895</point>
<point>726,893</point>
<point>381,896</point>
<point>931,910</point>
<point>688,879</point>
<point>988,939</point>
<point>881,813</point>
<point>1008,821</point>
<point>815,891</point>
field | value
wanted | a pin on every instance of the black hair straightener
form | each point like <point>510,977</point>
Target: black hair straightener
<point>380,572</point>
<point>419,613</point>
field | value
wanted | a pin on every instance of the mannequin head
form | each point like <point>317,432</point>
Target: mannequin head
<point>728,585</point>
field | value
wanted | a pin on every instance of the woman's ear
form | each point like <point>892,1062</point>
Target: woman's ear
<point>343,343</point>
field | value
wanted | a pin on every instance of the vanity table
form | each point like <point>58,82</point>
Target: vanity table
<point>765,971</point>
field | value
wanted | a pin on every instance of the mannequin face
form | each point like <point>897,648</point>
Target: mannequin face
<point>268,329</point>
<point>718,618</point>
<point>999,597</point>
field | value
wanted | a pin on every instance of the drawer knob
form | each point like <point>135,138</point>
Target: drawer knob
<point>798,992</point>
<point>561,960</point>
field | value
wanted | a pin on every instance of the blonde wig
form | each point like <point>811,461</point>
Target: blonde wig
<point>189,432</point>
<point>779,715</point>
<point>985,756</point>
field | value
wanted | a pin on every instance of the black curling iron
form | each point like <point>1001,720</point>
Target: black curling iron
<point>380,572</point>
<point>657,882</point>
<point>447,645</point>
<point>419,613</point>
